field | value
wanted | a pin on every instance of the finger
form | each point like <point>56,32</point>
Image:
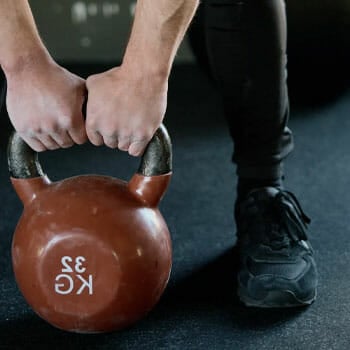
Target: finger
<point>77,128</point>
<point>63,139</point>
<point>124,143</point>
<point>78,133</point>
<point>137,148</point>
<point>111,141</point>
<point>78,136</point>
<point>48,142</point>
<point>34,144</point>
<point>95,137</point>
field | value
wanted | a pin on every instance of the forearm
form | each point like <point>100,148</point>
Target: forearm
<point>20,41</point>
<point>157,32</point>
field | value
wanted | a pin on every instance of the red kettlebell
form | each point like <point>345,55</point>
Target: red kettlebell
<point>91,253</point>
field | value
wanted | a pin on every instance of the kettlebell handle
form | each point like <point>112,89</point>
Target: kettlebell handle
<point>23,161</point>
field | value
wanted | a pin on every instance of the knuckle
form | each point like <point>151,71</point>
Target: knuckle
<point>31,132</point>
<point>143,140</point>
<point>91,80</point>
<point>35,129</point>
<point>53,128</point>
<point>49,126</point>
<point>23,131</point>
<point>124,140</point>
<point>88,82</point>
<point>144,136</point>
<point>109,135</point>
<point>66,122</point>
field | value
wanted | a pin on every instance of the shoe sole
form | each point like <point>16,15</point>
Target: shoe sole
<point>275,299</point>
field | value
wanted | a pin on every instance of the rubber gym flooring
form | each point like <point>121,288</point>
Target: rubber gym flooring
<point>199,309</point>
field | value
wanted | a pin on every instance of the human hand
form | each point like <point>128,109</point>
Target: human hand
<point>44,102</point>
<point>125,108</point>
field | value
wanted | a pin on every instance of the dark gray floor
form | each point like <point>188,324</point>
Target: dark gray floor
<point>199,309</point>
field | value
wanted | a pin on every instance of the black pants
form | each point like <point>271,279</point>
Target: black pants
<point>246,41</point>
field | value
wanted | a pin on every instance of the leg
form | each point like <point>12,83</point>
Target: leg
<point>247,49</point>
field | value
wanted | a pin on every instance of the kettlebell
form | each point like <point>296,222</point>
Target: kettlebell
<point>91,253</point>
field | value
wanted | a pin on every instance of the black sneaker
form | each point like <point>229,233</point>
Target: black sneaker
<point>277,267</point>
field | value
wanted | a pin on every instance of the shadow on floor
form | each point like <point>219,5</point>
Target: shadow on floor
<point>214,287</point>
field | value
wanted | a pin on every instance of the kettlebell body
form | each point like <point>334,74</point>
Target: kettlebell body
<point>91,253</point>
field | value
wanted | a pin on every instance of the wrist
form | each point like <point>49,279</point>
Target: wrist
<point>144,62</point>
<point>27,60</point>
<point>153,71</point>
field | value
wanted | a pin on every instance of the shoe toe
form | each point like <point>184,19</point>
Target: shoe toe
<point>278,284</point>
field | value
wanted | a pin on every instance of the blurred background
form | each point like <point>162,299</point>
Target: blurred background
<point>88,31</point>
<point>97,31</point>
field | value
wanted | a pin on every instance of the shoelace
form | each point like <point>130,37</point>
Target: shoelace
<point>282,217</point>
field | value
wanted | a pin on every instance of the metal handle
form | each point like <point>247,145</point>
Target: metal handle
<point>23,161</point>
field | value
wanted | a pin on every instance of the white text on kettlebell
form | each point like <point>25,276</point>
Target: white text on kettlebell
<point>65,283</point>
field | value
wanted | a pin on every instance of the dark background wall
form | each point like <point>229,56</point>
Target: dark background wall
<point>88,31</point>
<point>92,31</point>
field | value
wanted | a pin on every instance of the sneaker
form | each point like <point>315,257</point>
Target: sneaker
<point>277,268</point>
